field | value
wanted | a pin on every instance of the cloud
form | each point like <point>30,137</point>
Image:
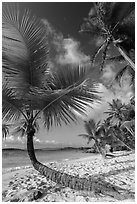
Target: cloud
<point>108,74</point>
<point>99,41</point>
<point>123,92</point>
<point>116,92</point>
<point>67,51</point>
<point>50,141</point>
<point>13,139</point>
<point>49,28</point>
<point>37,140</point>
<point>70,53</point>
<point>20,140</point>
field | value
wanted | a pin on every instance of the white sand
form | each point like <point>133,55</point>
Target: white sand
<point>118,171</point>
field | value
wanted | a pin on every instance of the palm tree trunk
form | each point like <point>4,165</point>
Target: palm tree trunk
<point>74,182</point>
<point>129,61</point>
<point>56,176</point>
<point>97,146</point>
<point>121,141</point>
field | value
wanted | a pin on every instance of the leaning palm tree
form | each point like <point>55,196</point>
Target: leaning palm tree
<point>93,133</point>
<point>115,23</point>
<point>31,89</point>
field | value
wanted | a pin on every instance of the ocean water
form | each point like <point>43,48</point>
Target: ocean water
<point>17,158</point>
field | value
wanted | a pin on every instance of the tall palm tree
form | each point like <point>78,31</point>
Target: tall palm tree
<point>115,22</point>
<point>31,89</point>
<point>93,133</point>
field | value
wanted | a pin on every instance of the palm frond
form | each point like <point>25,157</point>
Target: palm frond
<point>98,50</point>
<point>86,136</point>
<point>118,58</point>
<point>12,107</point>
<point>119,11</point>
<point>88,128</point>
<point>69,92</point>
<point>114,20</point>
<point>127,69</point>
<point>20,128</point>
<point>24,48</point>
<point>128,125</point>
<point>5,130</point>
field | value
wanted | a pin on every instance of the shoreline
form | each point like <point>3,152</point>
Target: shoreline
<point>11,169</point>
<point>19,183</point>
<point>94,155</point>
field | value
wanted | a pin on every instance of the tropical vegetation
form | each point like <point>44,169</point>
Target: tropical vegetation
<point>117,130</point>
<point>94,131</point>
<point>114,22</point>
<point>33,91</point>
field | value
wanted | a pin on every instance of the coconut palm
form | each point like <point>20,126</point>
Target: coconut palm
<point>31,89</point>
<point>112,134</point>
<point>94,131</point>
<point>129,122</point>
<point>119,116</point>
<point>116,112</point>
<point>115,23</point>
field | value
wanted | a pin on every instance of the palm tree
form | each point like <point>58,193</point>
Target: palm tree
<point>31,89</point>
<point>121,114</point>
<point>129,122</point>
<point>118,116</point>
<point>93,133</point>
<point>116,112</point>
<point>115,22</point>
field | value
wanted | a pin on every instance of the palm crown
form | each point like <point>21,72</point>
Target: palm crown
<point>29,85</point>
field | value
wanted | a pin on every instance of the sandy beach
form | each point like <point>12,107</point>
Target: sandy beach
<point>25,184</point>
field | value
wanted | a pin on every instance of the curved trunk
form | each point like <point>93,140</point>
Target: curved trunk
<point>74,182</point>
<point>56,176</point>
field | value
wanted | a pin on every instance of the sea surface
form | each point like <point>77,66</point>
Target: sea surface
<point>16,158</point>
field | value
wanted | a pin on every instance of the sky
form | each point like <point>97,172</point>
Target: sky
<point>69,47</point>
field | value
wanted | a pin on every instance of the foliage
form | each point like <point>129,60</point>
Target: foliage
<point>5,130</point>
<point>94,131</point>
<point>30,87</point>
<point>121,120</point>
<point>115,23</point>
